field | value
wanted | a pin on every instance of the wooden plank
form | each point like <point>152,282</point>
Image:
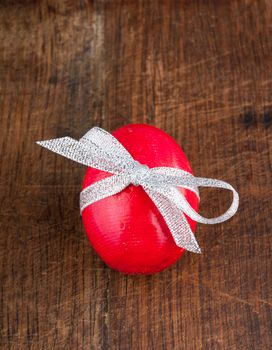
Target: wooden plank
<point>202,71</point>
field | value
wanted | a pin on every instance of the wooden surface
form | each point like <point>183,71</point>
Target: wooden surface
<point>201,71</point>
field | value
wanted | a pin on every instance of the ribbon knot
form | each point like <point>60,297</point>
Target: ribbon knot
<point>139,173</point>
<point>99,149</point>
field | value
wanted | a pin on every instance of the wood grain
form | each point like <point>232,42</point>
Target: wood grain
<point>200,70</point>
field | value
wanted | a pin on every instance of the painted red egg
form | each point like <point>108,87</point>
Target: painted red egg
<point>126,230</point>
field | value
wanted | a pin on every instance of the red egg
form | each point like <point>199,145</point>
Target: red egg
<point>126,230</point>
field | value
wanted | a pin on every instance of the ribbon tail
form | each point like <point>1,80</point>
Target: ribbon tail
<point>97,149</point>
<point>83,153</point>
<point>103,189</point>
<point>175,220</point>
<point>71,149</point>
<point>109,144</point>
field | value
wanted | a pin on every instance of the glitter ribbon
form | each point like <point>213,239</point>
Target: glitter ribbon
<point>100,150</point>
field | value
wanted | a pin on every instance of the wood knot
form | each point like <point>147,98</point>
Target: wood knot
<point>267,118</point>
<point>248,118</point>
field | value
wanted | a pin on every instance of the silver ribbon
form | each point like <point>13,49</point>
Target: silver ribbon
<point>99,149</point>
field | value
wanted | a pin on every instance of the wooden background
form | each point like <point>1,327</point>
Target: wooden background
<point>201,71</point>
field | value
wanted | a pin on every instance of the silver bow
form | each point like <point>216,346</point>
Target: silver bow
<point>99,149</point>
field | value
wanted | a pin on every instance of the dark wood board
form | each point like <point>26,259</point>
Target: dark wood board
<point>201,71</point>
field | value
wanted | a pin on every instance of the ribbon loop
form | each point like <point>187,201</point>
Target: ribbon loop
<point>99,149</point>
